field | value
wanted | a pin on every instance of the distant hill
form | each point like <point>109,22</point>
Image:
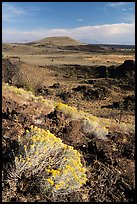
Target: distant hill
<point>65,41</point>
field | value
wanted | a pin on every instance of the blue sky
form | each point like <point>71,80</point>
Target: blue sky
<point>89,22</point>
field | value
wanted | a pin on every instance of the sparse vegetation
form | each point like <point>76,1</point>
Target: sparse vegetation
<point>65,135</point>
<point>25,85</point>
<point>55,167</point>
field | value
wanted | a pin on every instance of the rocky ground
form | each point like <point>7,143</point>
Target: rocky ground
<point>110,161</point>
<point>106,92</point>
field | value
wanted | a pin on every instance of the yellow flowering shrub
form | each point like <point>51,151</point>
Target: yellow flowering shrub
<point>90,124</point>
<point>28,95</point>
<point>67,110</point>
<point>18,91</point>
<point>56,167</point>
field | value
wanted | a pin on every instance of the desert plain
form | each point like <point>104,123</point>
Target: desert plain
<point>97,80</point>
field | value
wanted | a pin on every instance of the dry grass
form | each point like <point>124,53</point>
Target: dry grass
<point>91,124</point>
<point>75,58</point>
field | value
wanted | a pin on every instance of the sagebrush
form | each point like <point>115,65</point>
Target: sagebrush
<point>56,167</point>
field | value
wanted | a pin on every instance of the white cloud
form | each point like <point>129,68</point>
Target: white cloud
<point>13,9</point>
<point>12,13</point>
<point>128,17</point>
<point>124,9</point>
<point>117,4</point>
<point>80,19</point>
<point>121,33</point>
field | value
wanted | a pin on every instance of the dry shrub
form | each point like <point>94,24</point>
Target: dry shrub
<point>94,128</point>
<point>90,124</point>
<point>55,167</point>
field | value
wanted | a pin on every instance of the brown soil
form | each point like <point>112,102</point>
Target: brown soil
<point>110,162</point>
<point>93,89</point>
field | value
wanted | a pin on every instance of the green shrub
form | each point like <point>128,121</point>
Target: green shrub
<point>24,84</point>
<point>55,167</point>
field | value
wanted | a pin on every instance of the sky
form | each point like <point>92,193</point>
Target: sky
<point>87,22</point>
